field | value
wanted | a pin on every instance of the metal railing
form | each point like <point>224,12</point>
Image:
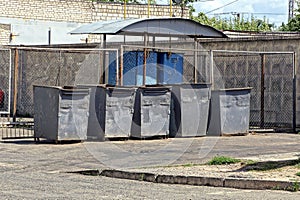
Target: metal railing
<point>272,75</point>
<point>5,80</point>
<point>24,67</point>
<point>17,130</point>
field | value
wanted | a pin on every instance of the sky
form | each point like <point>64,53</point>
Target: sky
<point>276,11</point>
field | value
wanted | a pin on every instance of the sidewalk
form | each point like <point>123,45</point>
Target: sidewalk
<point>174,161</point>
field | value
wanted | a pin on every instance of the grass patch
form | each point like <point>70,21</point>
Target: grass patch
<point>298,174</point>
<point>223,160</point>
<point>295,187</point>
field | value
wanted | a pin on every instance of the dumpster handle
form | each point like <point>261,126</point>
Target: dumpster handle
<point>72,93</point>
<point>156,91</point>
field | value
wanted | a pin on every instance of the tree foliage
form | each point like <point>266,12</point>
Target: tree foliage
<point>294,23</point>
<point>237,23</point>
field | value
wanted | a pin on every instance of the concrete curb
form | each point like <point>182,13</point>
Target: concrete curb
<point>149,177</point>
<point>203,181</point>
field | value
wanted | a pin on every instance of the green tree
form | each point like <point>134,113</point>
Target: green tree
<point>294,23</point>
<point>237,23</point>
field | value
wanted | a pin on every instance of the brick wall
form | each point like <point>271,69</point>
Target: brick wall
<point>80,11</point>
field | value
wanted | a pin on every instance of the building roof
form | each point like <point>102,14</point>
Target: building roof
<point>151,26</point>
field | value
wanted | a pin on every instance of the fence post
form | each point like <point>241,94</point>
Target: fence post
<point>145,58</point>
<point>121,67</point>
<point>102,71</point>
<point>262,91</point>
<point>212,69</point>
<point>294,92</point>
<point>16,77</point>
<point>196,61</point>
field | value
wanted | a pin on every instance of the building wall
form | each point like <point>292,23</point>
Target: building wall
<point>31,19</point>
<point>80,11</point>
<point>5,34</point>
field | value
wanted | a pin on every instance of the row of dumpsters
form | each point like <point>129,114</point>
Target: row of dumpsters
<point>104,112</point>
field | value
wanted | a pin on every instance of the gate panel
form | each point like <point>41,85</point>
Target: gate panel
<point>278,94</point>
<point>5,80</point>
<point>271,76</point>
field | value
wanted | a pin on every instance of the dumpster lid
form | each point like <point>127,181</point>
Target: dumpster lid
<point>233,89</point>
<point>91,85</point>
<point>48,86</point>
<point>64,88</point>
<point>122,88</point>
<point>155,87</point>
<point>191,84</point>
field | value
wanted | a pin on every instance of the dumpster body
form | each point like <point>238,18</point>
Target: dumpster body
<point>60,114</point>
<point>170,70</point>
<point>230,111</point>
<point>110,112</point>
<point>119,111</point>
<point>133,62</point>
<point>189,110</point>
<point>96,119</point>
<point>152,112</point>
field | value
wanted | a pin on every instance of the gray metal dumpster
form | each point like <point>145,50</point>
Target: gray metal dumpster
<point>60,113</point>
<point>189,110</point>
<point>119,111</point>
<point>96,120</point>
<point>230,111</point>
<point>151,112</point>
<point>110,112</point>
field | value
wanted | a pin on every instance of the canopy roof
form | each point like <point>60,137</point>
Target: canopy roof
<point>151,26</point>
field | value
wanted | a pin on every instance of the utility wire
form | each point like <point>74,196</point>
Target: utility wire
<point>234,13</point>
<point>222,6</point>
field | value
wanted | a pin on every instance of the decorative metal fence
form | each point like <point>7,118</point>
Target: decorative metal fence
<point>50,67</point>
<point>57,67</point>
<point>271,75</point>
<point>5,80</point>
<point>17,130</point>
<point>272,78</point>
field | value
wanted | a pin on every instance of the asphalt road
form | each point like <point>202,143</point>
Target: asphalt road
<point>37,185</point>
<point>39,171</point>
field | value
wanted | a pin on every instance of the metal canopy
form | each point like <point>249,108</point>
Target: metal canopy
<point>151,26</point>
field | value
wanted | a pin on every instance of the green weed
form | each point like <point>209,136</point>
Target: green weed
<point>223,160</point>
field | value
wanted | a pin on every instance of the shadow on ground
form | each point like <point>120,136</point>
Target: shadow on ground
<point>269,165</point>
<point>30,142</point>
